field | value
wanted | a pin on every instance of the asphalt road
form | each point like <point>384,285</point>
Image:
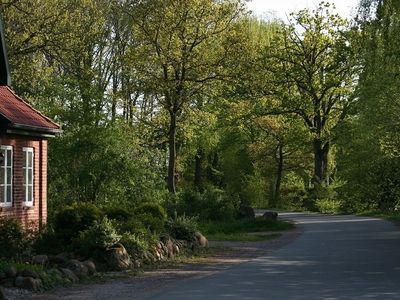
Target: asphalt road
<point>336,257</point>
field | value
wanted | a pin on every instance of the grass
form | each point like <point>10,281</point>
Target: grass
<point>244,225</point>
<point>392,216</point>
<point>240,230</point>
<point>242,237</point>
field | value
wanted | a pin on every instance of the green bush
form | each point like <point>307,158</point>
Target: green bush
<point>119,214</point>
<point>98,237</point>
<point>46,241</point>
<point>133,225</point>
<point>328,206</point>
<point>182,228</point>
<point>212,204</point>
<point>13,240</point>
<point>71,220</point>
<point>136,244</point>
<point>152,215</point>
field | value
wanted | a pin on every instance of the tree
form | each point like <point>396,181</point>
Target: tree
<point>181,49</point>
<point>314,73</point>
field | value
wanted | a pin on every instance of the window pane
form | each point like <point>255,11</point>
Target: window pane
<point>24,176</point>
<point>1,194</point>
<point>8,194</point>
<point>3,152</point>
<point>2,170</point>
<point>24,159</point>
<point>30,176</point>
<point>9,179</point>
<point>30,194</point>
<point>30,159</point>
<point>9,158</point>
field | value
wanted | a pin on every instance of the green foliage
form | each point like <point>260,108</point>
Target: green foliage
<point>71,220</point>
<point>118,213</point>
<point>13,239</point>
<point>182,228</point>
<point>212,204</point>
<point>243,226</point>
<point>136,244</point>
<point>97,238</point>
<point>329,206</point>
<point>152,215</point>
<point>47,241</point>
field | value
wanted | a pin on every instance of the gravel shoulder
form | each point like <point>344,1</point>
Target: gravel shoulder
<point>150,283</point>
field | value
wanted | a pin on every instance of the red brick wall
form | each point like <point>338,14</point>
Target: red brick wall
<point>38,213</point>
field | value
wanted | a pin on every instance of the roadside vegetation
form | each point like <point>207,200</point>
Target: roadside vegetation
<point>179,115</point>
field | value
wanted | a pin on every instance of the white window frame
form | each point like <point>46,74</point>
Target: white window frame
<point>25,184</point>
<point>7,185</point>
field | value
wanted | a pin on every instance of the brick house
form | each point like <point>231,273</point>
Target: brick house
<point>23,152</point>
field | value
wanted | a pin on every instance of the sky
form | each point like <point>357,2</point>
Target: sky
<point>282,8</point>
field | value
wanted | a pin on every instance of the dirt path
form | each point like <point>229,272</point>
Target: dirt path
<point>150,283</point>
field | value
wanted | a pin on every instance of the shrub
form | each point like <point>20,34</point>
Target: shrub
<point>118,213</point>
<point>13,240</point>
<point>71,220</point>
<point>328,206</point>
<point>152,215</point>
<point>133,225</point>
<point>182,228</point>
<point>98,237</point>
<point>212,204</point>
<point>136,244</point>
<point>46,241</point>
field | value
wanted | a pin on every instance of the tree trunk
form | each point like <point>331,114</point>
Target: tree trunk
<point>279,173</point>
<point>172,153</point>
<point>321,151</point>
<point>198,170</point>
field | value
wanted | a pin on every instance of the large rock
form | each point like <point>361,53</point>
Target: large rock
<point>90,265</point>
<point>246,212</point>
<point>77,267</point>
<point>201,240</point>
<point>270,215</point>
<point>118,258</point>
<point>170,248</point>
<point>28,283</point>
<point>40,260</point>
<point>69,275</point>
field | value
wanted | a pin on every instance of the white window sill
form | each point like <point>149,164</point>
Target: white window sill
<point>28,205</point>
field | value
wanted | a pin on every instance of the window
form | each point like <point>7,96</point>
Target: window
<point>6,176</point>
<point>28,175</point>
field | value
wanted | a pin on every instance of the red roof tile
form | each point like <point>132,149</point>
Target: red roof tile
<point>19,112</point>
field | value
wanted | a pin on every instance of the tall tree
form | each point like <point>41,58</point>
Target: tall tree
<point>314,76</point>
<point>181,49</point>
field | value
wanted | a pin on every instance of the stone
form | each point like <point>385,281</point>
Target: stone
<point>176,249</point>
<point>59,259</point>
<point>11,272</point>
<point>2,294</point>
<point>40,260</point>
<point>118,258</point>
<point>77,267</point>
<point>69,275</point>
<point>201,240</point>
<point>246,212</point>
<point>170,248</point>
<point>28,283</point>
<point>90,265</point>
<point>28,273</point>
<point>270,215</point>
